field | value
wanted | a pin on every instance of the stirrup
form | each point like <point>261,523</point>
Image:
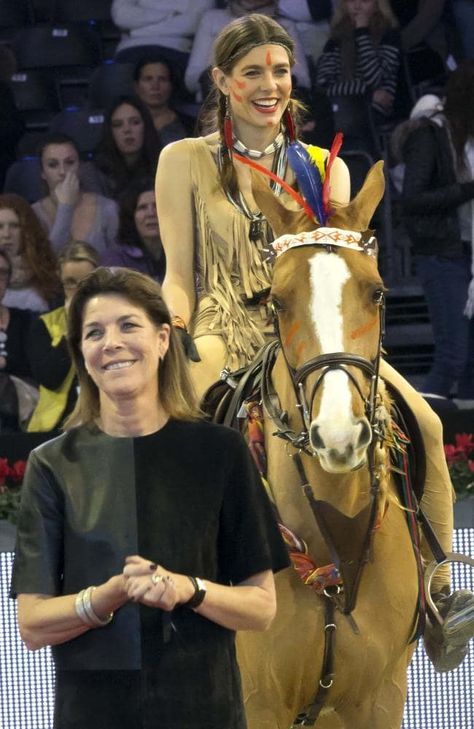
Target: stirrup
<point>452,620</point>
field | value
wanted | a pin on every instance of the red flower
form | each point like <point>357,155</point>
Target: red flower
<point>465,442</point>
<point>470,465</point>
<point>453,453</point>
<point>4,469</point>
<point>18,471</point>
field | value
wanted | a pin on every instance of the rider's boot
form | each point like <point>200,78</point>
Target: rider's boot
<point>446,642</point>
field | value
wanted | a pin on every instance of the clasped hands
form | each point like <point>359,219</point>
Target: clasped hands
<point>153,585</point>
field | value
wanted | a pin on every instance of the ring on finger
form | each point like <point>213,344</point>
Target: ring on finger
<point>156,578</point>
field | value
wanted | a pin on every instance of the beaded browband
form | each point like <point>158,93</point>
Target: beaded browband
<point>327,237</point>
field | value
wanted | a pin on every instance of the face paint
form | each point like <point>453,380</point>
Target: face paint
<point>364,329</point>
<point>268,58</point>
<point>300,349</point>
<point>240,84</point>
<point>236,96</point>
<point>294,329</point>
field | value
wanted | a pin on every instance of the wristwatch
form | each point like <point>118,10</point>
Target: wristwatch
<point>199,592</point>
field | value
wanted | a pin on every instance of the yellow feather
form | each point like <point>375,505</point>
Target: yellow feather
<point>317,157</point>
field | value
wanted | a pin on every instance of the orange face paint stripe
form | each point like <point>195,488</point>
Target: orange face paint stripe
<point>268,58</point>
<point>291,333</point>
<point>364,329</point>
<point>300,349</point>
<point>236,96</point>
<point>240,84</point>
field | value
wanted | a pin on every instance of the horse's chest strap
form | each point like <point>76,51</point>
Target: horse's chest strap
<point>311,712</point>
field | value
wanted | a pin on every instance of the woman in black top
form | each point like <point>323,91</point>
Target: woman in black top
<point>129,148</point>
<point>14,325</point>
<point>139,473</point>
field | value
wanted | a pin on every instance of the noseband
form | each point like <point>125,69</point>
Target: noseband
<point>323,364</point>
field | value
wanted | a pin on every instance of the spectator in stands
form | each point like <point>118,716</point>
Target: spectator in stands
<point>438,195</point>
<point>47,348</point>
<point>362,56</point>
<point>423,38</point>
<point>139,240</point>
<point>197,77</point>
<point>34,283</point>
<point>68,211</point>
<point>156,84</point>
<point>130,146</point>
<point>163,24</point>
<point>312,22</point>
<point>17,395</point>
<point>14,324</point>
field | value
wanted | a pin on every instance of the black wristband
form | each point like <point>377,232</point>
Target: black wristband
<point>199,592</point>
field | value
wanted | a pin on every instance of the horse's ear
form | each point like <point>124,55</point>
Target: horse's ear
<point>359,212</point>
<point>282,220</point>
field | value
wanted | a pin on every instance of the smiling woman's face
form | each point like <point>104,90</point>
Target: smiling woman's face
<point>122,348</point>
<point>259,87</point>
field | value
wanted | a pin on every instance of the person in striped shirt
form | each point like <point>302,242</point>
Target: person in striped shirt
<point>362,55</point>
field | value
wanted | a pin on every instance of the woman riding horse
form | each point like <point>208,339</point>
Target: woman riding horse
<point>215,237</point>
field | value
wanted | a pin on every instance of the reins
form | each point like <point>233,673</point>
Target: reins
<point>330,521</point>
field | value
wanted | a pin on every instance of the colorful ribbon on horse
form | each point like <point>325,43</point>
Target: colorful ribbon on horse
<point>318,578</point>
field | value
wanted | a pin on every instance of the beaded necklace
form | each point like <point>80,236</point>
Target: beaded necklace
<point>257,220</point>
<point>256,153</point>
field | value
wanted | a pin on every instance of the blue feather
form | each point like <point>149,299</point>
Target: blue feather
<point>308,178</point>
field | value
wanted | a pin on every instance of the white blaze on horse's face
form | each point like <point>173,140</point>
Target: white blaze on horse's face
<point>338,436</point>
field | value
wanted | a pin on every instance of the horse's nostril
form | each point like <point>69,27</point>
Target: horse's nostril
<point>365,435</point>
<point>341,456</point>
<point>315,438</point>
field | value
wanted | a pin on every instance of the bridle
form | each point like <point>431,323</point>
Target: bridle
<point>323,364</point>
<point>326,516</point>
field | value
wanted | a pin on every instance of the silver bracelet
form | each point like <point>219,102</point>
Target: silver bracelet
<point>86,612</point>
<point>79,606</point>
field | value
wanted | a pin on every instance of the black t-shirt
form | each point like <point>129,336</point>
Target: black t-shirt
<point>187,497</point>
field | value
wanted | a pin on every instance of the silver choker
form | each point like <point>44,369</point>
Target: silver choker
<point>255,153</point>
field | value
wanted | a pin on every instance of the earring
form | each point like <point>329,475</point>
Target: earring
<point>290,124</point>
<point>228,133</point>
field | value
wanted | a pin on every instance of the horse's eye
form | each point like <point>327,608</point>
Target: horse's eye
<point>276,305</point>
<point>378,296</point>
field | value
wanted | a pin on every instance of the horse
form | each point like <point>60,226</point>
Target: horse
<point>337,653</point>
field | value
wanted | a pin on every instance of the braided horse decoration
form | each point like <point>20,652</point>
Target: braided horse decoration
<point>337,653</point>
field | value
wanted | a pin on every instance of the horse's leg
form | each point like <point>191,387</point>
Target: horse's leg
<point>281,667</point>
<point>380,708</point>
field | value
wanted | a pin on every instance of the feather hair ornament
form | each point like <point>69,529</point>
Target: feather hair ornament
<point>309,178</point>
<point>296,196</point>
<point>333,152</point>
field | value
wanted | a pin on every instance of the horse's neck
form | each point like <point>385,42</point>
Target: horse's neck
<point>348,492</point>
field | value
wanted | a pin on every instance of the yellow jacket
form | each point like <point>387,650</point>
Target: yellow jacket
<point>51,403</point>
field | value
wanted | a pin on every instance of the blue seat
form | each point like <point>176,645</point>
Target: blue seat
<point>83,125</point>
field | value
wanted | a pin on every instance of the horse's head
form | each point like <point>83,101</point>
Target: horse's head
<point>327,295</point>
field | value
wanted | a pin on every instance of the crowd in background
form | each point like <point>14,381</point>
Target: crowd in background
<point>97,205</point>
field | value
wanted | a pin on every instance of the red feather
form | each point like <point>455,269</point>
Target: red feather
<point>275,178</point>
<point>333,152</point>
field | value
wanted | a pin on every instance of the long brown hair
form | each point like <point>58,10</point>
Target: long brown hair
<point>459,107</point>
<point>35,249</point>
<point>342,31</point>
<point>177,394</point>
<point>234,41</point>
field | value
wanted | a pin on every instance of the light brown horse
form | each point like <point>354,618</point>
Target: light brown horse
<point>327,294</point>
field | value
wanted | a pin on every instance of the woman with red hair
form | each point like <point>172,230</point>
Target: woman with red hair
<point>34,283</point>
